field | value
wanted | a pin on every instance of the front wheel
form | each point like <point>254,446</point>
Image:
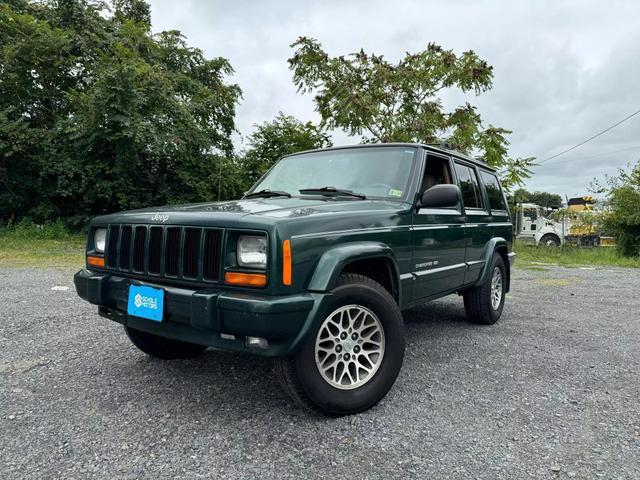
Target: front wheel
<point>161,347</point>
<point>550,240</point>
<point>353,357</point>
<point>484,304</point>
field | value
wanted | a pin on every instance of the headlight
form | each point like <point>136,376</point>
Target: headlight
<point>99,239</point>
<point>252,251</point>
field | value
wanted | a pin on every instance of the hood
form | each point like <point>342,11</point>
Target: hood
<point>250,211</point>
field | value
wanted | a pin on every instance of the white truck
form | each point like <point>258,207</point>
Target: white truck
<point>533,227</point>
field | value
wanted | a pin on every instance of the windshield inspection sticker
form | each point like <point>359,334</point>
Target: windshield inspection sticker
<point>395,193</point>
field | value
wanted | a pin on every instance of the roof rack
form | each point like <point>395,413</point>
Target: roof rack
<point>451,148</point>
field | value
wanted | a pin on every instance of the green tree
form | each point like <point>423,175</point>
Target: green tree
<point>622,216</point>
<point>97,114</point>
<point>366,95</point>
<point>282,136</point>
<point>544,199</point>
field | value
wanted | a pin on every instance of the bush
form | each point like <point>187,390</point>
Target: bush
<point>623,212</point>
<point>98,114</point>
<point>27,230</point>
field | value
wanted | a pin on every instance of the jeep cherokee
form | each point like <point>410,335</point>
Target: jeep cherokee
<point>313,266</point>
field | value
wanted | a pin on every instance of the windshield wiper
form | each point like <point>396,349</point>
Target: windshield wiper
<point>266,193</point>
<point>333,191</point>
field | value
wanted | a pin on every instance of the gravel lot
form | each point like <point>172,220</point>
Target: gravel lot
<point>551,391</point>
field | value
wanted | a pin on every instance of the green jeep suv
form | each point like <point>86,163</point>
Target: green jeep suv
<point>313,266</point>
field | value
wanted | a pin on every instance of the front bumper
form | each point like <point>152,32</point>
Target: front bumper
<point>211,316</point>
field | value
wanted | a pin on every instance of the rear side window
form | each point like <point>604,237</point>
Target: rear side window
<point>494,192</point>
<point>469,186</point>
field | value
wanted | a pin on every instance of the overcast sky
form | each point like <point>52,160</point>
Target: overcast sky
<point>563,71</point>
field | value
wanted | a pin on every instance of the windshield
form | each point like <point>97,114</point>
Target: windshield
<point>375,172</point>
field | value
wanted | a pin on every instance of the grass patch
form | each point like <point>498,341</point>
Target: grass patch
<point>530,256</point>
<point>51,245</point>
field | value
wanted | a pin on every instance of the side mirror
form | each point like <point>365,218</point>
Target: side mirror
<point>440,196</point>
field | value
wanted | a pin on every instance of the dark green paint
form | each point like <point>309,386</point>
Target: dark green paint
<point>431,253</point>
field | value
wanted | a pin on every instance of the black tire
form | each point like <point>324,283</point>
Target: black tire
<point>161,347</point>
<point>550,240</point>
<point>477,300</point>
<point>301,378</point>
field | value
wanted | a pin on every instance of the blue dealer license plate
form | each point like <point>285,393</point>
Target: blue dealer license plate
<point>146,302</point>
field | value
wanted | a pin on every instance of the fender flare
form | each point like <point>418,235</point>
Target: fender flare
<point>332,262</point>
<point>489,249</point>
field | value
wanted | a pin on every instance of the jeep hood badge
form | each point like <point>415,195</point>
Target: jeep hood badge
<point>159,217</point>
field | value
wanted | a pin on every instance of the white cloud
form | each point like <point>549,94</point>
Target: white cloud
<point>563,70</point>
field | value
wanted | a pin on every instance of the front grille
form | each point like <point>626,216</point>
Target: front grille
<point>187,253</point>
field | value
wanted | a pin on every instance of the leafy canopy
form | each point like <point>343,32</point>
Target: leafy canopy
<point>366,95</point>
<point>281,136</point>
<point>544,199</point>
<point>622,215</point>
<point>97,114</point>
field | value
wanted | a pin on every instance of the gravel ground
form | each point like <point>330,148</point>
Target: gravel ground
<point>551,391</point>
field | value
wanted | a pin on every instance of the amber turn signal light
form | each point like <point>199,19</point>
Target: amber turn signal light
<point>95,261</point>
<point>286,262</point>
<point>246,279</point>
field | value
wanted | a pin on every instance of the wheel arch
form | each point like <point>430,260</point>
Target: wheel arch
<point>546,231</point>
<point>550,234</point>
<point>500,246</point>
<point>371,259</point>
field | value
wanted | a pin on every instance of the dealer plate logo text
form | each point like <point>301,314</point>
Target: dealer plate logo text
<point>147,302</point>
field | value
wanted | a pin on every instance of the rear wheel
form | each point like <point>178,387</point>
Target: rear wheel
<point>484,304</point>
<point>353,357</point>
<point>161,347</point>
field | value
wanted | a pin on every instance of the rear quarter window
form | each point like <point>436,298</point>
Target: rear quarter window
<point>494,192</point>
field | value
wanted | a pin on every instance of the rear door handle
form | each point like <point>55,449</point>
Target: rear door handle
<point>461,219</point>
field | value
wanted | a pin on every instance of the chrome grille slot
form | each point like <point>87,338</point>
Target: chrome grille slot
<point>191,253</point>
<point>139,249</point>
<point>125,248</point>
<point>172,252</point>
<point>211,263</point>
<point>155,250</point>
<point>112,246</point>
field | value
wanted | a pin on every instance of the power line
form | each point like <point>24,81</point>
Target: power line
<point>590,138</point>
<point>611,152</point>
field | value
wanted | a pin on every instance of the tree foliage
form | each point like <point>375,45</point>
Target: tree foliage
<point>281,136</point>
<point>97,114</point>
<point>544,199</point>
<point>622,215</point>
<point>366,95</point>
